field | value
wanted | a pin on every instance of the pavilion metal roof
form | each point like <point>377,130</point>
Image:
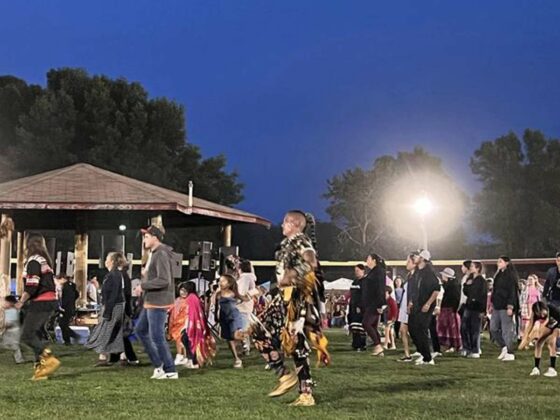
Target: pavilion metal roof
<point>86,188</point>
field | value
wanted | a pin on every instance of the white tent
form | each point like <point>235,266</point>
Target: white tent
<point>340,284</point>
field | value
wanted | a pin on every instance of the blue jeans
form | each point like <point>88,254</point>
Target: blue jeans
<point>150,329</point>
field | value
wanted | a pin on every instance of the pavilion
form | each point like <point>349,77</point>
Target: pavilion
<point>83,198</point>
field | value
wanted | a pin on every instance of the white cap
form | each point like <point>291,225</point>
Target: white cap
<point>448,272</point>
<point>425,254</point>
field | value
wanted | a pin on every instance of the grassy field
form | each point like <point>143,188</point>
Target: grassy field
<point>356,386</point>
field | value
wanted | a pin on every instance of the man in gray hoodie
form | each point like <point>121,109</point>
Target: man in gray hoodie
<point>159,294</point>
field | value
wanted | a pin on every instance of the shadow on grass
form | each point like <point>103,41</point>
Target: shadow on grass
<point>400,387</point>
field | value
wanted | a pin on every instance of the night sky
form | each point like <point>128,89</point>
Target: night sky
<point>294,92</point>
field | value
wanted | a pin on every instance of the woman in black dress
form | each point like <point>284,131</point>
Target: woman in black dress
<point>108,337</point>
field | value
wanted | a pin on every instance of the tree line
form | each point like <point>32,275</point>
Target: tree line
<point>116,125</point>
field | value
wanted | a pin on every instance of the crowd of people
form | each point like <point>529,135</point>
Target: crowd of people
<point>437,312</point>
<point>447,313</point>
<point>286,323</point>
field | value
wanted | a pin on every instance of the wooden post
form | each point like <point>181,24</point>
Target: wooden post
<point>20,262</point>
<point>80,265</point>
<point>158,220</point>
<point>227,235</point>
<point>5,254</point>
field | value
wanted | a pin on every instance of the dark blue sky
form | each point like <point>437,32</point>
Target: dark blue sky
<point>294,92</point>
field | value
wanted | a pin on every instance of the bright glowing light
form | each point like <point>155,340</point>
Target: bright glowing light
<point>122,228</point>
<point>423,206</point>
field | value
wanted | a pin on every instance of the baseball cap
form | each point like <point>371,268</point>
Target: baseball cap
<point>448,272</point>
<point>154,230</point>
<point>425,254</point>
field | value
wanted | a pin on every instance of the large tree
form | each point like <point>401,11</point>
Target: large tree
<point>373,208</point>
<point>519,204</point>
<point>109,123</point>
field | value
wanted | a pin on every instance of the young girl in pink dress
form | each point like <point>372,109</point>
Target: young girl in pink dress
<point>533,295</point>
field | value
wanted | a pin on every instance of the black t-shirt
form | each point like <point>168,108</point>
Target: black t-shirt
<point>427,283</point>
<point>39,279</point>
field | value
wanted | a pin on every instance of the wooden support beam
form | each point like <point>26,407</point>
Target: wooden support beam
<point>227,235</point>
<point>20,259</point>
<point>6,253</point>
<point>157,220</point>
<point>80,265</point>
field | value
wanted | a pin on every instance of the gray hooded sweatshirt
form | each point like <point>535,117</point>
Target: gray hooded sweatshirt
<point>158,285</point>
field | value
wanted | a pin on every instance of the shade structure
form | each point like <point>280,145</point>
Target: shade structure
<point>83,195</point>
<point>83,198</point>
<point>340,284</point>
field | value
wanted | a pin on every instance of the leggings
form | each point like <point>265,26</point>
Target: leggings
<point>371,322</point>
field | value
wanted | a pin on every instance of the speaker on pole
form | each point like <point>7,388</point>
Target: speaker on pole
<point>206,257</point>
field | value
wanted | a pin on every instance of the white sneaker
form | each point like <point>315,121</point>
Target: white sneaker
<point>503,353</point>
<point>169,375</point>
<point>436,354</point>
<point>422,363</point>
<point>551,373</point>
<point>464,353</point>
<point>508,357</point>
<point>474,356</point>
<point>180,360</point>
<point>535,372</point>
<point>189,364</point>
<point>415,354</point>
<point>158,373</point>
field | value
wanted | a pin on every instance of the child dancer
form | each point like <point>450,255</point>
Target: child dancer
<point>392,314</point>
<point>177,317</point>
<point>9,339</point>
<point>197,339</point>
<point>532,295</point>
<point>231,322</point>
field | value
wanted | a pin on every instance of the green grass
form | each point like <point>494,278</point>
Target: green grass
<point>355,386</point>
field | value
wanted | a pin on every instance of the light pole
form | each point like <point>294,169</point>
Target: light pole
<point>423,206</point>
